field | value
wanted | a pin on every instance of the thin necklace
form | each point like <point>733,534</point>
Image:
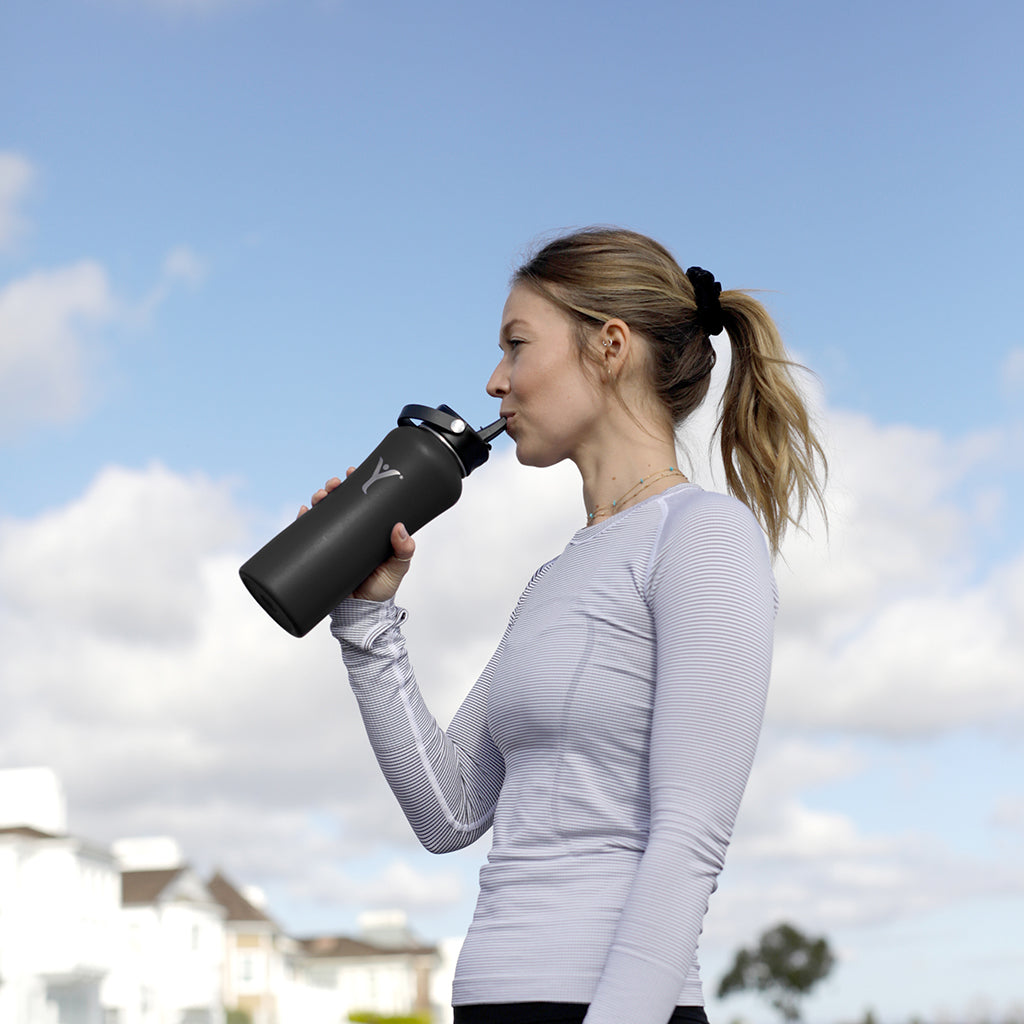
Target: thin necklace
<point>633,492</point>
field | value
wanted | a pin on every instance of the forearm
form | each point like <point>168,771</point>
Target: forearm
<point>446,782</point>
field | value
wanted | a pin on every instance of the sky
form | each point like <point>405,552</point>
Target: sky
<point>237,236</point>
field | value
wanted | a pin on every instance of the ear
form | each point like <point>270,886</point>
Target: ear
<point>615,342</point>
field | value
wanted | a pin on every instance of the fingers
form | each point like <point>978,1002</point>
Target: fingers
<point>319,496</point>
<point>331,484</point>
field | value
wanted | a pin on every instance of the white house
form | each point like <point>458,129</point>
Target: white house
<point>387,970</point>
<point>171,942</point>
<point>59,906</point>
<point>259,959</point>
<point>134,936</point>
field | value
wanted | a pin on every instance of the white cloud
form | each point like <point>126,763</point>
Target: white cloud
<point>789,765</point>
<point>16,176</point>
<point>51,321</point>
<point>51,324</point>
<point>850,881</point>
<point>893,627</point>
<point>395,883</point>
<point>181,266</point>
<point>45,355</point>
<point>919,664</point>
<point>790,860</point>
<point>124,561</point>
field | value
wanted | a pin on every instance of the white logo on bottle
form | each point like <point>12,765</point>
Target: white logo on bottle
<point>382,470</point>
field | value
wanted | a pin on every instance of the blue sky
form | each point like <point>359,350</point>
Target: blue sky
<point>236,236</point>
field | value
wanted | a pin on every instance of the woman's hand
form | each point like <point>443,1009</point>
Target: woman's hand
<point>382,583</point>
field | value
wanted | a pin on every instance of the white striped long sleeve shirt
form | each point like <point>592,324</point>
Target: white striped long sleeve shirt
<point>608,742</point>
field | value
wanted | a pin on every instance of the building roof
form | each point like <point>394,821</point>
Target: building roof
<point>340,946</point>
<point>80,847</point>
<point>237,906</point>
<point>146,886</point>
<point>27,830</point>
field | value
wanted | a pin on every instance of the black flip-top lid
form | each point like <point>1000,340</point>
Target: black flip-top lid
<point>470,446</point>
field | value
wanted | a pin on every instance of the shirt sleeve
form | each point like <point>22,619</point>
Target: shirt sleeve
<point>712,596</point>
<point>446,781</point>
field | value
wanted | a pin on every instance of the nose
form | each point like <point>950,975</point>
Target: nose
<point>497,386</point>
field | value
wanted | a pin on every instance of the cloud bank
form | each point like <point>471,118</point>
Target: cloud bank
<point>134,662</point>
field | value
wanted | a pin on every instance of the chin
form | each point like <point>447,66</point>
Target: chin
<point>538,460</point>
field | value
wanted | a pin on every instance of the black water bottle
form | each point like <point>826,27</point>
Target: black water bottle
<point>411,477</point>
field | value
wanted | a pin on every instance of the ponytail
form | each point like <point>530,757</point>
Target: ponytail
<point>768,445</point>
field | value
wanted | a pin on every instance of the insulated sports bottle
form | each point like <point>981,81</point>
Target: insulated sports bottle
<point>411,477</point>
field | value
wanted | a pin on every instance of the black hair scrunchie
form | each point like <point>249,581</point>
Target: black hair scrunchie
<point>707,294</point>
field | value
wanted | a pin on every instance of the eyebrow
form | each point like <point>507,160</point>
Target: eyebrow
<point>509,326</point>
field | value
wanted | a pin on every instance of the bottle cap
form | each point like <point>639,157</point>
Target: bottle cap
<point>470,446</point>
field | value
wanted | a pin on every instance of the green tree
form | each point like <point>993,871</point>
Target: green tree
<point>785,965</point>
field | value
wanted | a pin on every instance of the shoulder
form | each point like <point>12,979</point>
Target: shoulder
<point>707,535</point>
<point>694,512</point>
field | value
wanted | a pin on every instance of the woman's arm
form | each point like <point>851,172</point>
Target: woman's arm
<point>447,781</point>
<point>712,597</point>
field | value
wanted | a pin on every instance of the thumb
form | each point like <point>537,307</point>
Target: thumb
<point>404,546</point>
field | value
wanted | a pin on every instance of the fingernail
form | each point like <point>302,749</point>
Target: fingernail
<point>402,532</point>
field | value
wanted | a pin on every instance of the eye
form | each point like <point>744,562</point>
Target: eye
<point>510,345</point>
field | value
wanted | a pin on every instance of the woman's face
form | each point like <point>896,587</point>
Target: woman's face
<point>551,403</point>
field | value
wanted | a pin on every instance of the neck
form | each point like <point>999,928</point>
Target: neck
<point>631,439</point>
<point>612,473</point>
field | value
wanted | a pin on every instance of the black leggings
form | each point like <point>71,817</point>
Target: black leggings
<point>552,1013</point>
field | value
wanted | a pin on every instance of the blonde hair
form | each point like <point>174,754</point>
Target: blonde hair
<point>771,455</point>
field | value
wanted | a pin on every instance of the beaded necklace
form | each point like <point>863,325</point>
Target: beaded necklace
<point>633,492</point>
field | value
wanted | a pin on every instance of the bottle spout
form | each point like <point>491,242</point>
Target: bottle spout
<point>492,430</point>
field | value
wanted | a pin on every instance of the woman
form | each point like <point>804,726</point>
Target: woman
<point>609,739</point>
